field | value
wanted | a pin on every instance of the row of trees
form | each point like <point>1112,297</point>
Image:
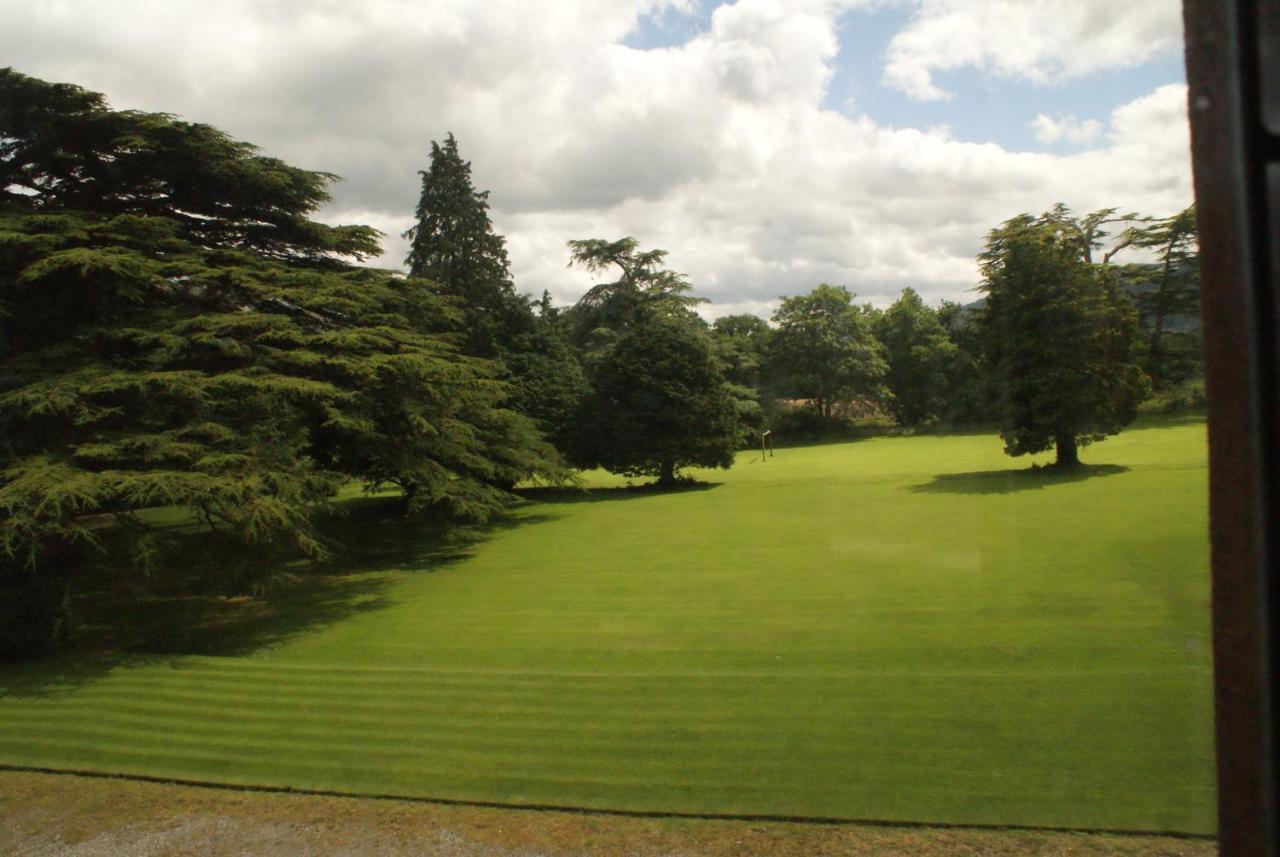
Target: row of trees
<point>1059,350</point>
<point>176,330</point>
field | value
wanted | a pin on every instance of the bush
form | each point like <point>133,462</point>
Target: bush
<point>1185,398</point>
<point>795,423</point>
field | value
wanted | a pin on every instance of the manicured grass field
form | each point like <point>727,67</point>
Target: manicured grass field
<point>892,629</point>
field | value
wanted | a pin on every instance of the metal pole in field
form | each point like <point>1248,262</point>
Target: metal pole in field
<point>766,436</point>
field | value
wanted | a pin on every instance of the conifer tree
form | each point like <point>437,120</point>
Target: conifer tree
<point>176,331</point>
<point>454,246</point>
<point>657,398</point>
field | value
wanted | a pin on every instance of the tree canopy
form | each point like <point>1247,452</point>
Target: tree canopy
<point>657,399</point>
<point>921,359</point>
<point>177,331</point>
<point>453,244</point>
<point>643,289</point>
<point>1059,336</point>
<point>824,348</point>
<point>1166,290</point>
<point>455,247</point>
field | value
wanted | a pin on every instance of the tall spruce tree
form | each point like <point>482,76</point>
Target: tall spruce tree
<point>454,246</point>
<point>1060,337</point>
<point>177,331</point>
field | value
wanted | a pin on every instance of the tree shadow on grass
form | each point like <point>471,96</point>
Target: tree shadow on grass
<point>121,621</point>
<point>1009,481</point>
<point>134,631</point>
<point>373,534</point>
<point>616,492</point>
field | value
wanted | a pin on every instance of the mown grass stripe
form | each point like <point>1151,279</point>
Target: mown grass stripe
<point>843,631</point>
<point>693,738</point>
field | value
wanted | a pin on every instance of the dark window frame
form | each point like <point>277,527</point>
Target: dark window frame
<point>1233,75</point>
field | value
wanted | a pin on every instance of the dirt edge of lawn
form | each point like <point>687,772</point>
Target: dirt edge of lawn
<point>64,814</point>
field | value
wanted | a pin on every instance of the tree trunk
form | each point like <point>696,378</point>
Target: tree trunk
<point>1068,453</point>
<point>667,473</point>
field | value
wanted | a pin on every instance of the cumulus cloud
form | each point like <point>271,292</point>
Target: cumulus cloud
<point>1065,127</point>
<point>1041,41</point>
<point>718,150</point>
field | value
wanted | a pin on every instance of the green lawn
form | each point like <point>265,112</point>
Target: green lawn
<point>893,629</point>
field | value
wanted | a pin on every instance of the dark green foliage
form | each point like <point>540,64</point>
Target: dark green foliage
<point>34,611</point>
<point>972,393</point>
<point>455,247</point>
<point>658,403</point>
<point>823,349</point>
<point>643,290</point>
<point>922,360</point>
<point>547,381</point>
<point>177,332</point>
<point>658,400</point>
<point>62,149</point>
<point>742,346</point>
<point>1167,292</point>
<point>1060,338</point>
<point>742,342</point>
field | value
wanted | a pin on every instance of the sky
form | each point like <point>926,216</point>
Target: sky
<point>767,145</point>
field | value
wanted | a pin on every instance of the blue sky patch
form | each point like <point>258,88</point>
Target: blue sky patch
<point>983,108</point>
<point>670,28</point>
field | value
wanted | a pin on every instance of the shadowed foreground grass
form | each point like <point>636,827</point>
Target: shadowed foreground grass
<point>899,629</point>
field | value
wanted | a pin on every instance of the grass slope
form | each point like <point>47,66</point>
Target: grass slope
<point>894,629</point>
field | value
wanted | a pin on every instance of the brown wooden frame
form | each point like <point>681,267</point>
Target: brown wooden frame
<point>1233,73</point>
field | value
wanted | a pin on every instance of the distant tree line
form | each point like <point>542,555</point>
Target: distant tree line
<point>177,331</point>
<point>1063,342</point>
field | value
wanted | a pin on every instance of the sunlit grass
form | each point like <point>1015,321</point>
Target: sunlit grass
<point>896,629</point>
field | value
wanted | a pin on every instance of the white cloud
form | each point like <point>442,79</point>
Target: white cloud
<point>718,150</point>
<point>1065,127</point>
<point>1041,41</point>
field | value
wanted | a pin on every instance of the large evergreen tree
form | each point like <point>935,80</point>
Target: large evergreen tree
<point>454,246</point>
<point>1059,336</point>
<point>657,399</point>
<point>643,289</point>
<point>657,403</point>
<point>177,331</point>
